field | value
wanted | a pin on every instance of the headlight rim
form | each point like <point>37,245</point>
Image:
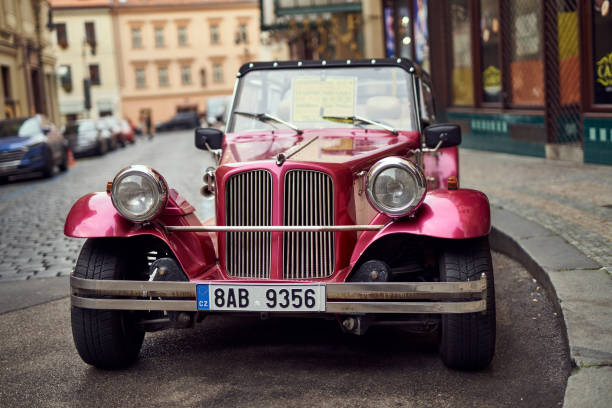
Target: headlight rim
<point>398,162</point>
<point>158,181</point>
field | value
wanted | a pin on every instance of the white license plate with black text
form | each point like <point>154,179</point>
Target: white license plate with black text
<point>256,297</point>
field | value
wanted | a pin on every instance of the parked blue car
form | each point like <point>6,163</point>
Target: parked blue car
<point>31,145</point>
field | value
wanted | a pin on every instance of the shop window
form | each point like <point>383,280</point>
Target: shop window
<point>136,37</point>
<point>214,34</point>
<point>462,83</point>
<point>526,55</point>
<point>62,36</point>
<point>141,79</point>
<point>602,52</point>
<point>490,51</point>
<point>218,73</point>
<point>159,37</point>
<point>94,74</point>
<point>162,75</point>
<point>186,74</point>
<point>182,35</point>
<point>421,34</point>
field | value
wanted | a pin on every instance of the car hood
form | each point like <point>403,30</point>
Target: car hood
<point>348,146</point>
<point>18,142</point>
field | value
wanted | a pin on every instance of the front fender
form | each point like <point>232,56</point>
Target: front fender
<point>94,216</point>
<point>450,214</point>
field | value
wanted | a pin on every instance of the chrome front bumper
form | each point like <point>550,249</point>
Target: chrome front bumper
<point>341,298</point>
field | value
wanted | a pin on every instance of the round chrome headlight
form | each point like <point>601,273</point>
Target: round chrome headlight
<point>139,193</point>
<point>395,186</point>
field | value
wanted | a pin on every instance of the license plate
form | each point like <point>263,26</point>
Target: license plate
<point>261,297</point>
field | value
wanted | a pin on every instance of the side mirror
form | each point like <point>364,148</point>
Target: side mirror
<point>449,135</point>
<point>208,136</point>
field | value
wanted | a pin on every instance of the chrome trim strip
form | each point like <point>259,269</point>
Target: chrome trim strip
<point>406,290</point>
<point>134,304</point>
<point>274,228</point>
<point>408,307</point>
<point>132,288</point>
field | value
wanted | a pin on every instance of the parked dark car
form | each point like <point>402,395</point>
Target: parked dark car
<point>109,131</point>
<point>31,145</point>
<point>182,120</point>
<point>85,138</point>
<point>127,132</point>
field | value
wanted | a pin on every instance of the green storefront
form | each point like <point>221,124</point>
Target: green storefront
<point>530,77</point>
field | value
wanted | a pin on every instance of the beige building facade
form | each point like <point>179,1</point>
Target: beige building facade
<point>27,76</point>
<point>85,43</point>
<point>176,55</point>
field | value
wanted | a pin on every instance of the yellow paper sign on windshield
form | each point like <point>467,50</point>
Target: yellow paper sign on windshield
<point>314,97</point>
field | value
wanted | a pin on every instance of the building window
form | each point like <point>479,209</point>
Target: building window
<point>214,34</point>
<point>65,77</point>
<point>526,59</point>
<point>162,74</point>
<point>182,35</point>
<point>159,37</point>
<point>136,37</point>
<point>243,35</point>
<point>62,36</point>
<point>90,35</point>
<point>186,74</point>
<point>602,53</point>
<point>462,84</point>
<point>217,72</point>
<point>94,74</point>
<point>490,51</point>
<point>141,79</point>
<point>203,77</point>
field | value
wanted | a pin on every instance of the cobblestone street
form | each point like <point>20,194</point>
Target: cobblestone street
<point>572,200</point>
<point>32,211</point>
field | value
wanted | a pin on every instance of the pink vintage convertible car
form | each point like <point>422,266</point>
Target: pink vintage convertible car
<point>336,196</point>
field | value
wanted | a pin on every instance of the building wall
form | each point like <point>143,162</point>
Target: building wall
<point>25,51</point>
<point>78,56</point>
<point>199,53</point>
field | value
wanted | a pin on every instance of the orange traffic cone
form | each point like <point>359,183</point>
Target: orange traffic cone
<point>71,161</point>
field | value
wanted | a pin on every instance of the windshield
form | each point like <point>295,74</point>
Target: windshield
<point>303,96</point>
<point>19,127</point>
<point>87,126</point>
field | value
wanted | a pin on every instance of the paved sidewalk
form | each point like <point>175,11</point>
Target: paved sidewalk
<point>572,200</point>
<point>556,218</point>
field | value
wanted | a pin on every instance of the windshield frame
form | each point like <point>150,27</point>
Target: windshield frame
<point>408,66</point>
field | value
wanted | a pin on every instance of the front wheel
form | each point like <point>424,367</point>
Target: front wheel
<point>468,340</point>
<point>105,338</point>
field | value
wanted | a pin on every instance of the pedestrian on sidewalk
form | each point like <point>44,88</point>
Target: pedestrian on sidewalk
<point>149,126</point>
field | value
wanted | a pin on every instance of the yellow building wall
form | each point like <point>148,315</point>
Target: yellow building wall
<point>78,55</point>
<point>199,53</point>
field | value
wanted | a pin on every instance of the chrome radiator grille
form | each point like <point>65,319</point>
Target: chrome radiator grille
<point>248,201</point>
<point>309,200</point>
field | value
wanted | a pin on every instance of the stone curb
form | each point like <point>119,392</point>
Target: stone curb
<point>581,291</point>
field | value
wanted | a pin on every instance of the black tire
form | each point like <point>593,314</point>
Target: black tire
<point>102,147</point>
<point>47,170</point>
<point>105,338</point>
<point>63,166</point>
<point>468,340</point>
